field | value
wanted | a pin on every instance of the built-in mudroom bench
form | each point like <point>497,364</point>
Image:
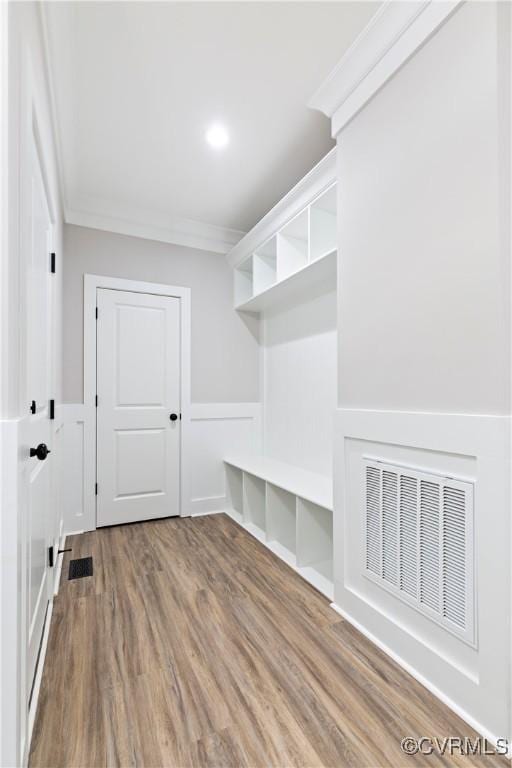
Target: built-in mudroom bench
<point>287,509</point>
<point>284,273</point>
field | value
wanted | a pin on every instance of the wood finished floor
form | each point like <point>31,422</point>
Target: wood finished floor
<point>192,645</point>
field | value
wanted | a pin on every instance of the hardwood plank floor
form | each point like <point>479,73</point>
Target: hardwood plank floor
<point>193,645</point>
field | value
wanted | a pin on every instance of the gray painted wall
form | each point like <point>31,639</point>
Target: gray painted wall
<point>424,273</point>
<point>225,356</point>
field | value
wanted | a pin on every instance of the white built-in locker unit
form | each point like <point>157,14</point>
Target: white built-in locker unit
<point>285,272</point>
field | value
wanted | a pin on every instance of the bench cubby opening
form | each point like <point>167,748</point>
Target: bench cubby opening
<point>234,492</point>
<point>281,523</point>
<point>314,542</point>
<point>255,505</point>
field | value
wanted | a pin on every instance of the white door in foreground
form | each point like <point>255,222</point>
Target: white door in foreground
<point>39,524</point>
<point>138,413</point>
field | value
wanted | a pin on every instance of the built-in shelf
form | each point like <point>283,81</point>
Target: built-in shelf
<point>323,233</point>
<point>314,542</point>
<point>244,281</point>
<point>265,266</point>
<point>302,252</point>
<point>287,509</point>
<point>282,523</point>
<point>310,486</point>
<point>293,246</point>
<point>287,259</point>
<point>297,285</point>
<point>254,501</point>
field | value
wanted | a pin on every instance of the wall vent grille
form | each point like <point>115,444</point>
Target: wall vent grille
<point>418,530</point>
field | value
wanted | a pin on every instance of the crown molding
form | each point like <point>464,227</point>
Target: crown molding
<point>392,36</point>
<point>97,213</point>
<point>316,181</point>
<point>154,226</point>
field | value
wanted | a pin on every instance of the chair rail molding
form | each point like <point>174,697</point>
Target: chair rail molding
<point>392,35</point>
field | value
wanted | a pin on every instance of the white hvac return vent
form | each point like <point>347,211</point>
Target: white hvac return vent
<point>419,541</point>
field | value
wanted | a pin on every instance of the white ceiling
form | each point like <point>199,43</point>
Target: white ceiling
<point>136,84</point>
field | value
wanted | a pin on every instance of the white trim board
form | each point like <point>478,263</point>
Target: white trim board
<point>391,37</point>
<point>212,411</point>
<point>91,284</point>
<point>478,727</point>
<point>153,226</point>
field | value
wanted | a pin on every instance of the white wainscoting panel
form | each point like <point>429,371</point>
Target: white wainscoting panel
<point>79,513</point>
<point>473,679</point>
<point>215,430</point>
<point>218,429</point>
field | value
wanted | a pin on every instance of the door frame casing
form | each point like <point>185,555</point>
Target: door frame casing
<point>91,285</point>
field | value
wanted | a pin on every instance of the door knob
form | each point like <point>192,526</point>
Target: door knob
<point>173,416</point>
<point>41,451</point>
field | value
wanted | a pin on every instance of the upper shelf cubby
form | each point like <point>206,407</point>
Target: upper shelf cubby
<point>244,283</point>
<point>322,224</point>
<point>265,266</point>
<point>293,246</point>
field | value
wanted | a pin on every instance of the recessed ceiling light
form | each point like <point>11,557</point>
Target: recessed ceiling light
<point>217,136</point>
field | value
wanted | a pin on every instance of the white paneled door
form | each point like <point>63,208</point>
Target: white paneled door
<point>138,406</point>
<point>39,523</point>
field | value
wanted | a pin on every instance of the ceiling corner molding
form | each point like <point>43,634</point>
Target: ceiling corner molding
<point>316,181</point>
<point>392,35</point>
<point>151,226</point>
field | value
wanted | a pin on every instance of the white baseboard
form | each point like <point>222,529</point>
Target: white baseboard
<point>42,654</point>
<point>207,505</point>
<point>474,724</point>
<point>37,682</point>
<point>204,514</point>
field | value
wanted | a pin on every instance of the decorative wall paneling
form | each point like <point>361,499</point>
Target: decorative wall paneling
<point>214,429</point>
